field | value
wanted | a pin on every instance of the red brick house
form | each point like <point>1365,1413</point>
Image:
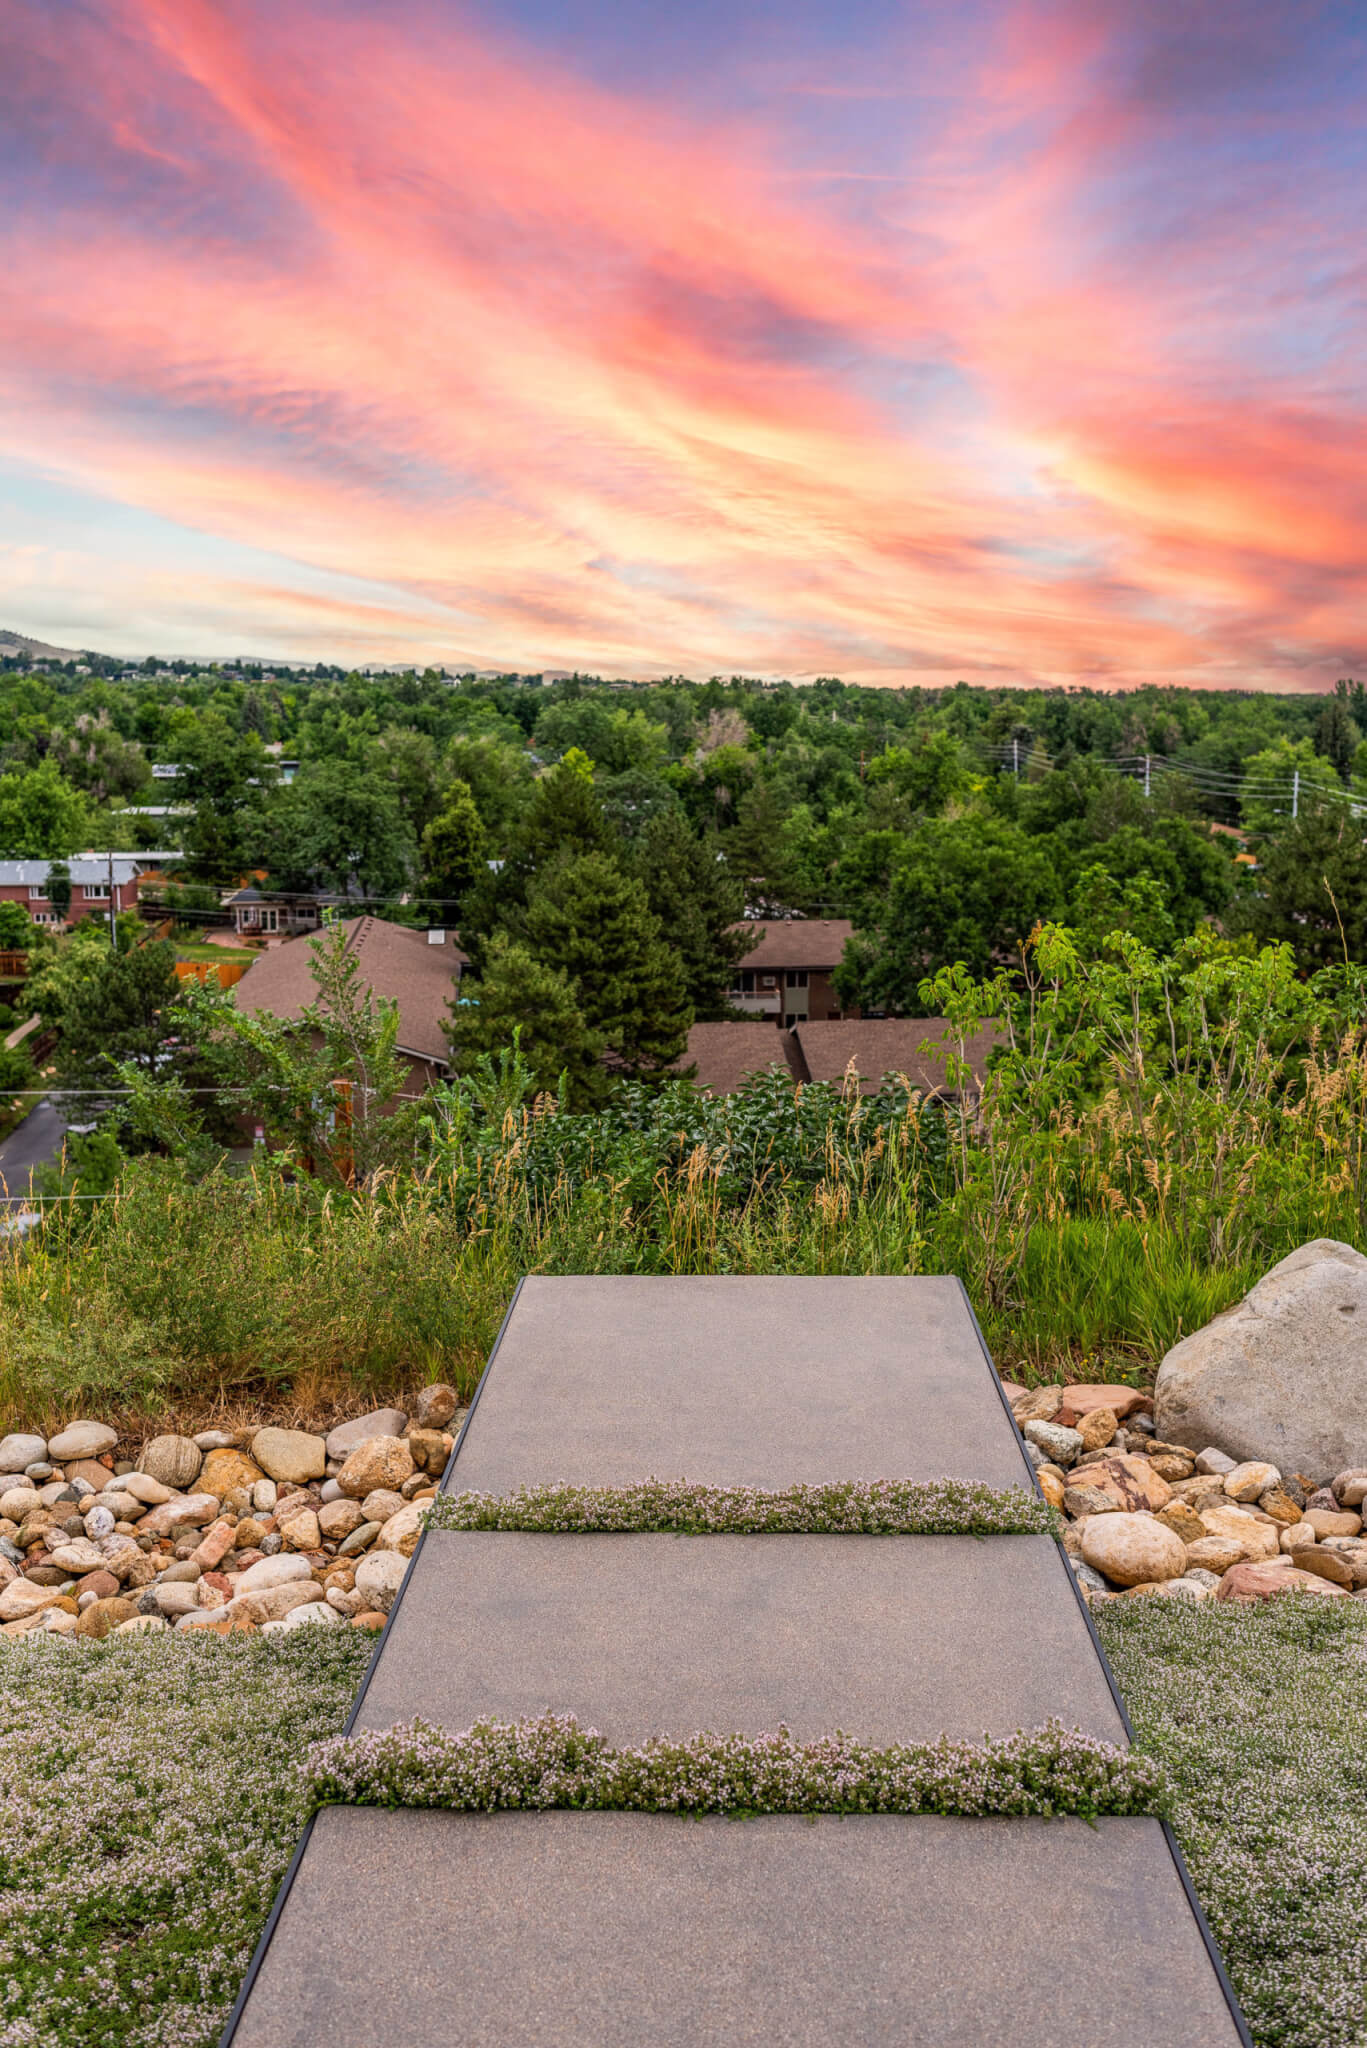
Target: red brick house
<point>26,882</point>
<point>787,978</point>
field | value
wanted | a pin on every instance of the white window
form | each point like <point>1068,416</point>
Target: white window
<point>37,892</point>
<point>95,892</point>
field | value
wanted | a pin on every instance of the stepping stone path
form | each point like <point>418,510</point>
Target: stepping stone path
<point>643,1930</point>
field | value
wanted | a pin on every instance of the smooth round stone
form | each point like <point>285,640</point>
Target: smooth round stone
<point>1132,1548</point>
<point>302,1617</point>
<point>19,1451</point>
<point>145,1488</point>
<point>265,1493</point>
<point>38,1472</point>
<point>142,1625</point>
<point>1250,1479</point>
<point>273,1570</point>
<point>81,1440</point>
<point>99,1522</point>
<point>174,1460</point>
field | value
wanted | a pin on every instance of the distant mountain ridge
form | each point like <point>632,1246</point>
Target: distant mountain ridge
<point>20,643</point>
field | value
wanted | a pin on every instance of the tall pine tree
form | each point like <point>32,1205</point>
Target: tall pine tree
<point>699,899</point>
<point>594,924</point>
<point>518,993</point>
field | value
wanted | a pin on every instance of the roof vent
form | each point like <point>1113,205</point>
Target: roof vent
<point>435,937</point>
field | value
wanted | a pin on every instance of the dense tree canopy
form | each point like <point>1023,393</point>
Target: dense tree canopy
<point>943,823</point>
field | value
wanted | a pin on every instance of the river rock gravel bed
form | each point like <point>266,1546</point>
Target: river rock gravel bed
<point>268,1529</point>
<point>1145,1517</point>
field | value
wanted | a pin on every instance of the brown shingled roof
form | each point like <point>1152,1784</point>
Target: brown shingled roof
<point>395,961</point>
<point>880,1046</point>
<point>796,942</point>
<point>725,1053</point>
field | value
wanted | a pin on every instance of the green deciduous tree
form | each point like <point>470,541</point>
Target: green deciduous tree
<point>971,890</point>
<point>1310,889</point>
<point>41,815</point>
<point>340,828</point>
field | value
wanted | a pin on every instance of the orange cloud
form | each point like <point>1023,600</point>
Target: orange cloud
<point>580,378</point>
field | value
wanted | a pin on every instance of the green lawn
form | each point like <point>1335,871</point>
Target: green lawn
<point>215,953</point>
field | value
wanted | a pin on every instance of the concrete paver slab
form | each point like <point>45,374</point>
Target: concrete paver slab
<point>738,1381</point>
<point>646,1931</point>
<point>890,1638</point>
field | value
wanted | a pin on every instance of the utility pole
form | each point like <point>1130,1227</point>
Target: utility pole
<point>1147,791</point>
<point>1016,758</point>
<point>1295,792</point>
<point>113,928</point>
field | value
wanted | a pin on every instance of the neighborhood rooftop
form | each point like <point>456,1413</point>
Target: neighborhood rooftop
<point>410,968</point>
<point>797,941</point>
<point>724,1054</point>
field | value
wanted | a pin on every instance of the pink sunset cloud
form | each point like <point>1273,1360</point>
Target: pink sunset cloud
<point>534,369</point>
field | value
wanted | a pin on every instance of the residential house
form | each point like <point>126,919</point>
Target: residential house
<point>726,1054</point>
<point>96,880</point>
<point>259,913</point>
<point>419,970</point>
<point>787,978</point>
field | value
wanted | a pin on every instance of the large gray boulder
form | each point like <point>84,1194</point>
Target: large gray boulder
<point>1283,1375</point>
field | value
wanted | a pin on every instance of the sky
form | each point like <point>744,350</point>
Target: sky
<point>1002,339</point>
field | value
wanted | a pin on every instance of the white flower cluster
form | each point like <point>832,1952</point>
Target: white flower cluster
<point>845,1507</point>
<point>551,1761</point>
<point>1256,1715</point>
<point>149,1803</point>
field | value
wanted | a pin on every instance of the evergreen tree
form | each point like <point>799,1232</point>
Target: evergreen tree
<point>1310,889</point>
<point>519,994</point>
<point>594,923</point>
<point>453,849</point>
<point>115,1009</point>
<point>564,817</point>
<point>698,898</point>
<point>1337,736</point>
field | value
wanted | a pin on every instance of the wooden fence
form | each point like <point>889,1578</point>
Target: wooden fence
<point>225,971</point>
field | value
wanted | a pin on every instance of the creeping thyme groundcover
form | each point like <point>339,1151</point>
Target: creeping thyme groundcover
<point>150,1801</point>
<point>847,1507</point>
<point>550,1761</point>
<point>1257,1716</point>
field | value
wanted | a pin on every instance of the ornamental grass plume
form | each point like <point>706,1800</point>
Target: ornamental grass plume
<point>550,1761</point>
<point>847,1507</point>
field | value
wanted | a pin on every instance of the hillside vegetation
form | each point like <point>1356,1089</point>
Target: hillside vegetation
<point>1154,1132</point>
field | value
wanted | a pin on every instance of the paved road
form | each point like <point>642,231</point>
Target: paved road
<point>37,1142</point>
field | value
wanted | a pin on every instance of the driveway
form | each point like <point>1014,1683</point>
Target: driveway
<point>37,1142</point>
